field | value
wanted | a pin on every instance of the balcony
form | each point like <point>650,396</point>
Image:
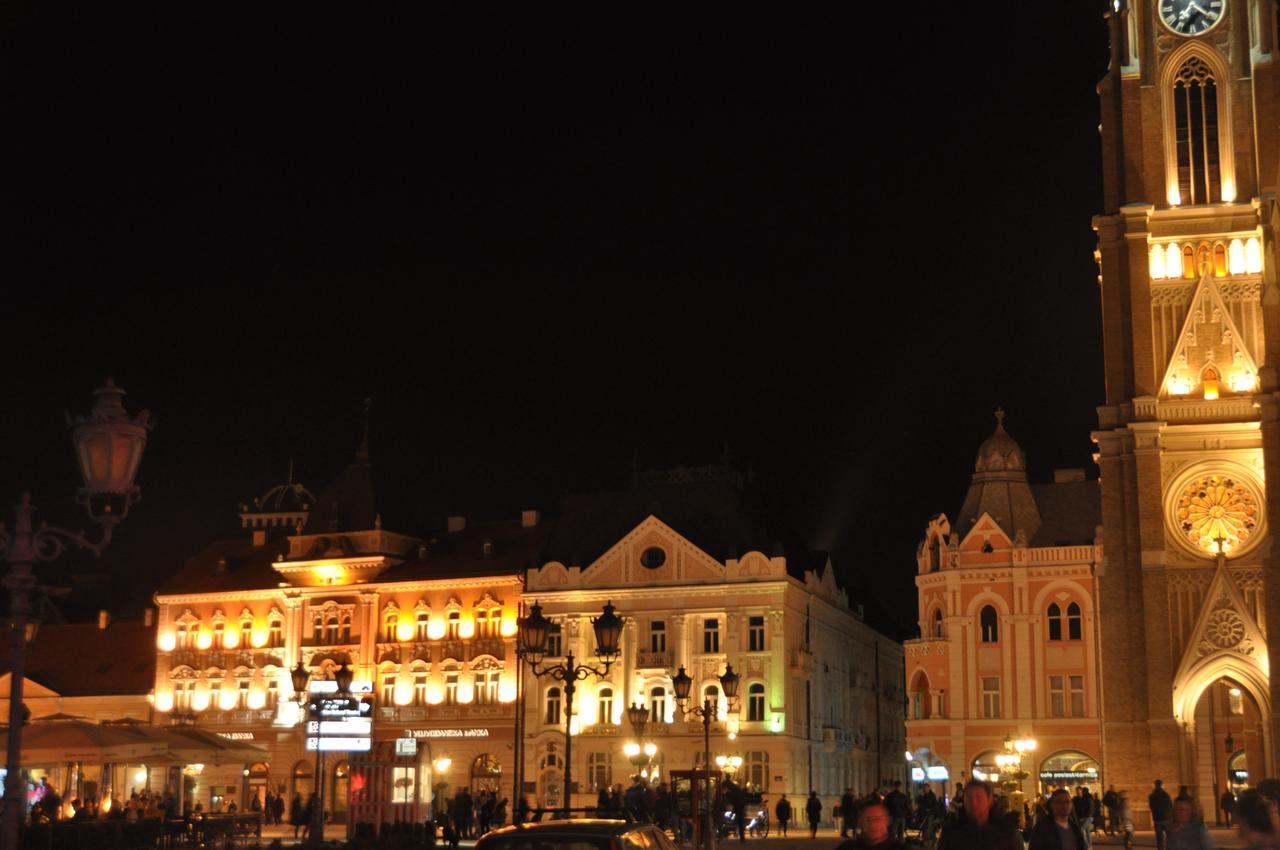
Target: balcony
<point>653,660</point>
<point>801,659</point>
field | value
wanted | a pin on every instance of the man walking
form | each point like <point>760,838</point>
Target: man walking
<point>783,812</point>
<point>847,810</point>
<point>1161,805</point>
<point>1112,802</point>
<point>975,828</point>
<point>899,806</point>
<point>813,810</point>
<point>1059,831</point>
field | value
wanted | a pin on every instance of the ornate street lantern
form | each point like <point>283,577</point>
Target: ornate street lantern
<point>109,447</point>
<point>681,682</point>
<point>638,716</point>
<point>343,677</point>
<point>729,682</point>
<point>299,675</point>
<point>608,628</point>
<point>533,634</point>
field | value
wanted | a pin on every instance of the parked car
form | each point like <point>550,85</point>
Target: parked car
<point>584,834</point>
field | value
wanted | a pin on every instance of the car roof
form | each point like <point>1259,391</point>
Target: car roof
<point>593,826</point>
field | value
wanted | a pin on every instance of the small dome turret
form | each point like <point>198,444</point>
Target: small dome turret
<point>1000,451</point>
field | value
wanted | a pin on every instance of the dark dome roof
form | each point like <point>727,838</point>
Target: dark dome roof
<point>1000,451</point>
<point>285,499</point>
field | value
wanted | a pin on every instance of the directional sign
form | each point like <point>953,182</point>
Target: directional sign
<point>342,745</point>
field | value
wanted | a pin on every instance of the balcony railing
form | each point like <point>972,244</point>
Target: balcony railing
<point>647,660</point>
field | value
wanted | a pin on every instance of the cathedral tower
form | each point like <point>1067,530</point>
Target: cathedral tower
<point>1189,437</point>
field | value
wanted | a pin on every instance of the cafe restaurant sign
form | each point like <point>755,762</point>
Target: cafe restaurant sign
<point>446,733</point>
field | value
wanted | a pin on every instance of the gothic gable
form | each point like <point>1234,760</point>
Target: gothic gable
<point>1226,641</point>
<point>1210,347</point>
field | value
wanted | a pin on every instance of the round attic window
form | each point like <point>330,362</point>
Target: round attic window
<point>652,558</point>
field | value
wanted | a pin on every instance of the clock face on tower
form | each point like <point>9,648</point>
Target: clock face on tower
<point>1191,17</point>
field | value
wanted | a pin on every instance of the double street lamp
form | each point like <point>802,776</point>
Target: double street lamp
<point>639,752</point>
<point>681,683</point>
<point>531,645</point>
<point>300,676</point>
<point>109,445</point>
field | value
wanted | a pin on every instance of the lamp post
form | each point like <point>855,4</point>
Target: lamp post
<point>342,676</point>
<point>681,682</point>
<point>531,645</point>
<point>109,445</point>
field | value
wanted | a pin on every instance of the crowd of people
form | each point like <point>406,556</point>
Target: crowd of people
<point>976,817</point>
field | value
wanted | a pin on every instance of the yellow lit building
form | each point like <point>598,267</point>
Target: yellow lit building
<point>428,624</point>
<point>701,580</point>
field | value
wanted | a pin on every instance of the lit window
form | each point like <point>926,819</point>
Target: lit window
<point>246,634</point>
<point>219,635</point>
<point>482,622</point>
<point>988,625</point>
<point>452,625</point>
<point>755,702</point>
<point>388,695</point>
<point>711,635</point>
<point>658,705</point>
<point>991,697</point>
<point>486,687</point>
<point>1057,697</point>
<point>552,715</point>
<point>402,784</point>
<point>756,771</point>
<point>711,699</point>
<point>755,634</point>
<point>606,705</point>
<point>420,688</point>
<point>451,688</point>
<point>657,636</point>
<point>424,620</point>
<point>389,627</point>
<point>1077,696</point>
<point>599,771</point>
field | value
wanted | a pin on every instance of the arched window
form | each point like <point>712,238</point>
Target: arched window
<point>606,706</point>
<point>1073,621</point>
<point>1188,262</point>
<point>1054,617</point>
<point>346,628</point>
<point>711,694</point>
<point>658,705</point>
<point>1219,259</point>
<point>333,629</point>
<point>389,620</point>
<point>303,778</point>
<point>988,624</point>
<point>552,715</point>
<point>755,702</point>
<point>937,623</point>
<point>317,631</point>
<point>1195,126</point>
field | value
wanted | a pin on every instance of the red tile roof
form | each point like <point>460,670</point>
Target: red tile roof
<point>79,659</point>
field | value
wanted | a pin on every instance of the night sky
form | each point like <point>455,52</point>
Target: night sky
<point>542,242</point>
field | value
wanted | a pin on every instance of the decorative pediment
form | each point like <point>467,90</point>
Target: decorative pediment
<point>487,601</point>
<point>986,531</point>
<point>1210,356</point>
<point>652,553</point>
<point>1226,641</point>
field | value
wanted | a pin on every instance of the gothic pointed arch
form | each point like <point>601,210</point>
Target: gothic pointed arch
<point>1209,340</point>
<point>1226,641</point>
<point>1191,72</point>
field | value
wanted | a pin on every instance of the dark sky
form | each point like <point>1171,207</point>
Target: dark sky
<point>541,241</point>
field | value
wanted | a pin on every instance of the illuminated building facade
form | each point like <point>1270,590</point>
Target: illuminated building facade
<point>429,624</point>
<point>1188,440</point>
<point>702,580</point>
<point>1008,606</point>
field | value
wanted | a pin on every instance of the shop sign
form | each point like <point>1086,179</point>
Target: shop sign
<point>917,774</point>
<point>446,733</point>
<point>406,746</point>
<point>1239,776</point>
<point>937,773</point>
<point>1068,775</point>
<point>330,686</point>
<point>237,736</point>
<point>347,726</point>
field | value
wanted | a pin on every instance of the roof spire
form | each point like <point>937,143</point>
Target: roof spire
<point>290,472</point>
<point>1000,418</point>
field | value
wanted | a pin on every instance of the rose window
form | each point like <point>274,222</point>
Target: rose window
<point>1224,629</point>
<point>1217,508</point>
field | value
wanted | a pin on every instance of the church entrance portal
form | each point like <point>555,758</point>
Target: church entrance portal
<point>1226,737</point>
